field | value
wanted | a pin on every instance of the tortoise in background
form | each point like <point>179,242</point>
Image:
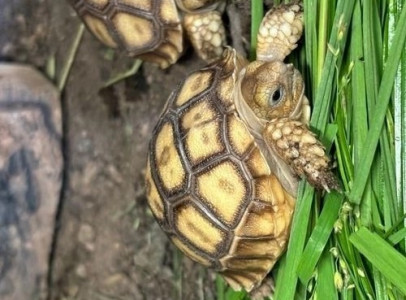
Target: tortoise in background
<point>152,29</point>
<point>226,154</point>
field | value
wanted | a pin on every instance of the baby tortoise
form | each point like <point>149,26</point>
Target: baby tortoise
<point>152,29</point>
<point>227,152</point>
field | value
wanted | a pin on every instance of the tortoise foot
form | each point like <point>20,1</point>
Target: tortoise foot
<point>299,148</point>
<point>264,291</point>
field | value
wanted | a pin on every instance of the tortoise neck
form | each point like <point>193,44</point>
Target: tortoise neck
<point>255,125</point>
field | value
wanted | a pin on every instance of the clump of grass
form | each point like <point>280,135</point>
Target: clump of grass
<point>355,76</point>
<point>351,245</point>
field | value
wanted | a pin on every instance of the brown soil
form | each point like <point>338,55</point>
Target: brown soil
<point>107,244</point>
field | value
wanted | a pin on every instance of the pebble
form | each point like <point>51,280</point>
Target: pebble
<point>86,236</point>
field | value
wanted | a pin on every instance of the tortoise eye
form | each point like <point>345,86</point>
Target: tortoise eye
<point>275,97</point>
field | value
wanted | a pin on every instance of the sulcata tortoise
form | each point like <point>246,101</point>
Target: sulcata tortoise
<point>152,29</point>
<point>227,152</point>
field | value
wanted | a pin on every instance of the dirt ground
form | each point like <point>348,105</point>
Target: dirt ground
<point>107,244</point>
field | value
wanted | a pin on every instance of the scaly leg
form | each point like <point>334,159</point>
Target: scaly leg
<point>279,32</point>
<point>301,150</point>
<point>207,34</point>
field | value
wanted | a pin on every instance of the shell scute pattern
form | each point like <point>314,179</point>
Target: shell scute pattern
<point>228,212</point>
<point>225,92</point>
<point>192,224</point>
<point>198,114</point>
<point>190,253</point>
<point>155,201</point>
<point>257,222</point>
<point>200,128</point>
<point>256,163</point>
<point>168,161</point>
<point>266,247</point>
<point>241,140</point>
<point>195,85</point>
<point>249,265</point>
<point>229,191</point>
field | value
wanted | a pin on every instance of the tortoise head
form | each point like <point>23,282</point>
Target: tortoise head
<point>273,90</point>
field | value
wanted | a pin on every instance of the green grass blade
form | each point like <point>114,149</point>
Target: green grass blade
<point>319,236</point>
<point>286,285</point>
<point>220,288</point>
<point>322,37</point>
<point>382,256</point>
<point>343,149</point>
<point>372,51</point>
<point>373,70</point>
<point>224,292</point>
<point>311,45</point>
<point>351,256</point>
<point>359,116</point>
<point>397,237</point>
<point>63,76</point>
<point>379,111</point>
<point>257,12</point>
<point>389,175</point>
<point>123,75</point>
<point>322,102</point>
<point>325,288</point>
<point>329,136</point>
<point>380,285</point>
<point>235,295</point>
<point>399,105</point>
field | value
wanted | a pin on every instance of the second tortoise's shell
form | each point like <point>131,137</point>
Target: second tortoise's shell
<point>209,185</point>
<point>149,29</point>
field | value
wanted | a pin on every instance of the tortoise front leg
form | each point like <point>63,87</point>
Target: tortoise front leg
<point>300,149</point>
<point>204,27</point>
<point>206,33</point>
<point>279,32</point>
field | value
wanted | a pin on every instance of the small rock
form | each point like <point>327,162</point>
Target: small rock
<point>89,173</point>
<point>86,236</point>
<point>81,271</point>
<point>84,144</point>
<point>114,174</point>
<point>73,290</point>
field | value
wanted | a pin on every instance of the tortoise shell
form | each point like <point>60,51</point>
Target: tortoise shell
<point>208,183</point>
<point>148,29</point>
